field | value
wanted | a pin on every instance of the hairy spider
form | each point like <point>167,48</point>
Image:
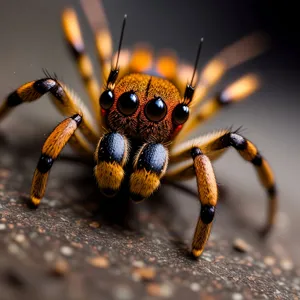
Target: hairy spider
<point>143,112</point>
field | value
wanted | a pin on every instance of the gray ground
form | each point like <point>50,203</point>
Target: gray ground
<point>78,245</point>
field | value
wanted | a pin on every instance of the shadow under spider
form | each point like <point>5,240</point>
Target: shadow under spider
<point>121,211</point>
<point>118,210</point>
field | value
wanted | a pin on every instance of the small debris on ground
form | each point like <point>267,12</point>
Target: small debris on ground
<point>61,267</point>
<point>159,290</point>
<point>195,287</point>
<point>67,251</point>
<point>98,262</point>
<point>20,238</point>
<point>138,263</point>
<point>286,264</point>
<point>123,292</point>
<point>237,296</point>
<point>269,260</point>
<point>276,271</point>
<point>94,224</point>
<point>241,246</point>
<point>146,273</point>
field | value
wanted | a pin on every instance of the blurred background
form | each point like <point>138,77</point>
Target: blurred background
<point>31,39</point>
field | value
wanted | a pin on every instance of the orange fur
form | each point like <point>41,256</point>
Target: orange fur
<point>38,187</point>
<point>201,235</point>
<point>27,93</point>
<point>59,137</point>
<point>52,148</point>
<point>166,65</point>
<point>73,35</point>
<point>250,152</point>
<point>141,60</point>
<point>206,181</point>
<point>143,183</point>
<point>146,87</point>
<point>109,175</point>
<point>265,174</point>
<point>71,29</point>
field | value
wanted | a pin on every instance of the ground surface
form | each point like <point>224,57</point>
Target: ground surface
<point>78,245</point>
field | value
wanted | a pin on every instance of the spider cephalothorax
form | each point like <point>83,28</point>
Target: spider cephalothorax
<point>144,108</point>
<point>142,119</point>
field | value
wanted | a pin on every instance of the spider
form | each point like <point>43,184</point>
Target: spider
<point>141,116</point>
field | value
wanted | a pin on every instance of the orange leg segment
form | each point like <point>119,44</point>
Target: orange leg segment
<point>50,151</point>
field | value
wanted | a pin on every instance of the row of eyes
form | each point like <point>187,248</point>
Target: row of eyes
<point>155,109</point>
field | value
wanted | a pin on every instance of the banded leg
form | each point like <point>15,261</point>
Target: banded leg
<point>50,151</point>
<point>208,195</point>
<point>74,38</point>
<point>213,146</point>
<point>65,101</point>
<point>245,49</point>
<point>111,156</point>
<point>149,166</point>
<point>237,91</point>
<point>96,17</point>
<point>235,54</point>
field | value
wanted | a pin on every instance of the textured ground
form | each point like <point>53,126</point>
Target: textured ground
<point>78,245</point>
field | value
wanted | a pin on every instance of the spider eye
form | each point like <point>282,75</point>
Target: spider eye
<point>128,103</point>
<point>107,99</point>
<point>156,109</point>
<point>180,114</point>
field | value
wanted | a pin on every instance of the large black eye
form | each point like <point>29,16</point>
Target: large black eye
<point>156,109</point>
<point>180,114</point>
<point>107,99</point>
<point>128,103</point>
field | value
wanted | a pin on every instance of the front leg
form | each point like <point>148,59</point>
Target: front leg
<point>64,100</point>
<point>208,196</point>
<point>50,151</point>
<point>149,166</point>
<point>214,145</point>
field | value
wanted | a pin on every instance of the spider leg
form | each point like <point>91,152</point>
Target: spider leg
<point>74,38</point>
<point>165,65</point>
<point>231,56</point>
<point>213,146</point>
<point>64,100</point>
<point>149,166</point>
<point>139,60</point>
<point>181,152</point>
<point>208,195</point>
<point>96,16</point>
<point>235,92</point>
<point>111,155</point>
<point>50,151</point>
<point>239,52</point>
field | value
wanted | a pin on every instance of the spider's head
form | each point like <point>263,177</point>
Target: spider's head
<point>144,107</point>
